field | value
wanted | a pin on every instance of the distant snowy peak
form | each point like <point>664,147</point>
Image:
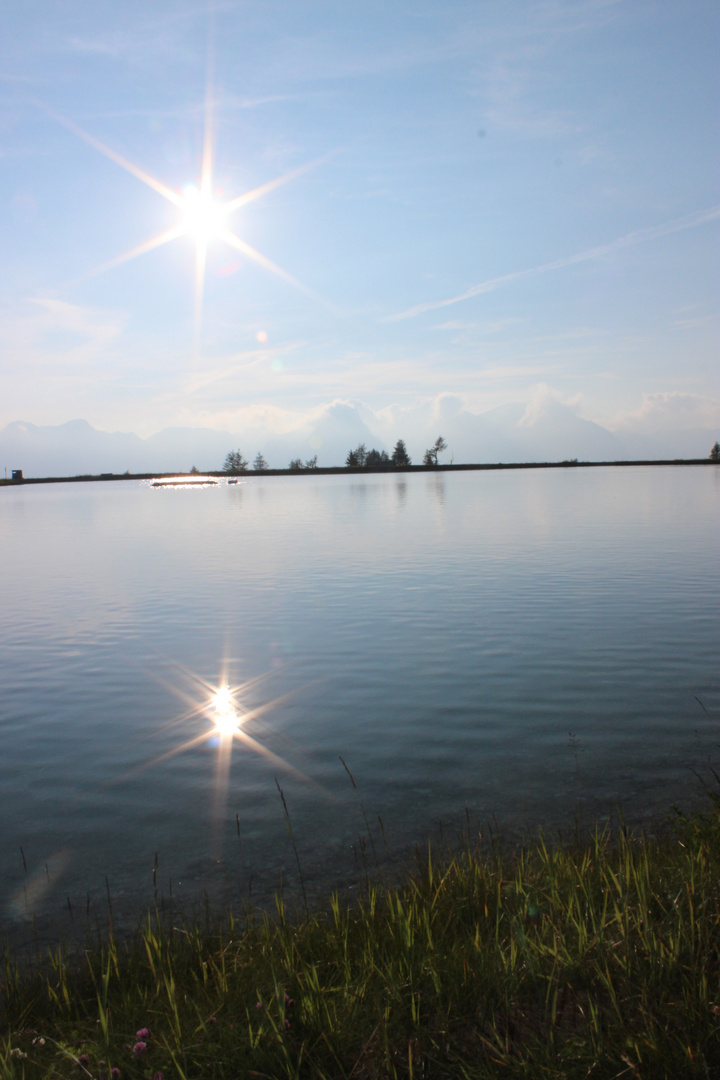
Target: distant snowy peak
<point>77,448</point>
<point>546,429</point>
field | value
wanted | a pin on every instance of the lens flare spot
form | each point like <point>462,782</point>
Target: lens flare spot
<point>261,336</point>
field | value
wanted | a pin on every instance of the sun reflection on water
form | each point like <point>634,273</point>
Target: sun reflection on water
<point>224,713</point>
<point>216,716</point>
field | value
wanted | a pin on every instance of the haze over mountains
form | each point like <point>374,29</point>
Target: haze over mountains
<point>546,429</point>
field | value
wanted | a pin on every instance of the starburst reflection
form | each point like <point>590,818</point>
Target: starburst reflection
<point>223,716</point>
<point>218,717</point>
<point>227,720</point>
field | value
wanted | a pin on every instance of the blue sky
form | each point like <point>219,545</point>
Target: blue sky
<point>506,202</point>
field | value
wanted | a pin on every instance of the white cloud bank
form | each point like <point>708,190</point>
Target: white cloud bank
<point>673,411</point>
<point>547,427</point>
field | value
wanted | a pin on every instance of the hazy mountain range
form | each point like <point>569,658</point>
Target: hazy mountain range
<point>510,433</point>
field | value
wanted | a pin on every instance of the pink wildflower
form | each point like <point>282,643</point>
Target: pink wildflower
<point>143,1033</point>
<point>83,1060</point>
<point>115,1074</point>
<point>139,1048</point>
<point>159,1076</point>
<point>287,1024</point>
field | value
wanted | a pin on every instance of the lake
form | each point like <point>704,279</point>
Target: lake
<point>529,647</point>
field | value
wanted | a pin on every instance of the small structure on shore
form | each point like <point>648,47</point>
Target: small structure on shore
<point>16,474</point>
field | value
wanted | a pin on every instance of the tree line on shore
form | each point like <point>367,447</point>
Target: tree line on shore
<point>359,458</point>
<point>362,458</point>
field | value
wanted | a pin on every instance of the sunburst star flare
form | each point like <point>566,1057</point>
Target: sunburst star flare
<point>204,219</point>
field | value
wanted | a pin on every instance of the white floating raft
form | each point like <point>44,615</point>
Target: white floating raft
<point>185,481</point>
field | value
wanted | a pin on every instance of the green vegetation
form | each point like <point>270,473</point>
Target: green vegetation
<point>715,452</point>
<point>297,464</point>
<point>431,455</point>
<point>234,462</point>
<point>362,458</point>
<point>400,457</point>
<point>356,458</point>
<point>598,959</point>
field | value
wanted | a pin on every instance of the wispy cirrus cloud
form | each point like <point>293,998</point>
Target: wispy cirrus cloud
<point>46,332</point>
<point>638,236</point>
<point>241,365</point>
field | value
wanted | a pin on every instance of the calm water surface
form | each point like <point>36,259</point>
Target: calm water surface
<point>530,644</point>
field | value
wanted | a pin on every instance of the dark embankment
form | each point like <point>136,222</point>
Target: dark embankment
<point>340,470</point>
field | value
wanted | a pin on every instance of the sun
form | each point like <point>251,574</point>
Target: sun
<point>203,218</point>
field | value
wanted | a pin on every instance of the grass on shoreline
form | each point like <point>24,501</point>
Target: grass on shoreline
<point>596,959</point>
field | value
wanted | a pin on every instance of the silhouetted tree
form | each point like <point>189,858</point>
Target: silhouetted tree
<point>715,452</point>
<point>234,462</point>
<point>376,459</point>
<point>296,464</point>
<point>400,456</point>
<point>431,455</point>
<point>311,463</point>
<point>259,464</point>
<point>356,457</point>
<point>194,471</point>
